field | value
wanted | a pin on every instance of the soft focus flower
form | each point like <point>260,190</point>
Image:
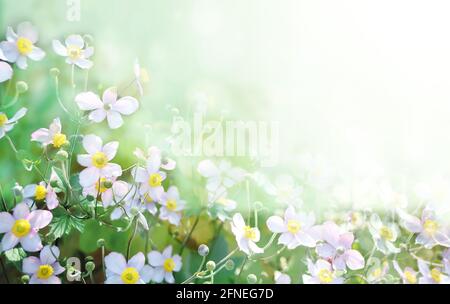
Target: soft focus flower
<point>6,71</point>
<point>285,190</point>
<point>281,278</point>
<point>154,154</point>
<point>150,178</point>
<point>171,206</point>
<point>133,208</point>
<point>384,235</point>
<point>39,193</point>
<point>377,272</point>
<point>44,270</point>
<point>165,264</point>
<point>141,77</point>
<point>22,227</point>
<point>18,47</point>
<point>110,107</point>
<point>294,228</point>
<point>337,247</point>
<point>246,236</point>
<point>116,190</point>
<point>431,276</point>
<point>321,272</point>
<point>221,208</point>
<point>97,161</point>
<point>52,135</point>
<point>119,271</point>
<point>408,275</point>
<point>7,124</point>
<point>75,51</point>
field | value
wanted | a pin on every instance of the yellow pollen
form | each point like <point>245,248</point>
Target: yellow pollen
<point>377,273</point>
<point>325,276</point>
<point>130,276</point>
<point>436,275</point>
<point>430,227</point>
<point>100,187</point>
<point>386,233</point>
<point>59,140</point>
<point>44,272</point>
<point>171,205</point>
<point>169,265</point>
<point>74,52</point>
<point>155,180</point>
<point>3,119</point>
<point>24,46</point>
<point>40,193</point>
<point>21,228</point>
<point>249,233</point>
<point>99,160</point>
<point>410,277</point>
<point>294,226</point>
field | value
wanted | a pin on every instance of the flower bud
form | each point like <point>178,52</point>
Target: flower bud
<point>25,279</point>
<point>90,266</point>
<point>21,87</point>
<point>90,198</point>
<point>203,250</point>
<point>107,184</point>
<point>62,155</point>
<point>211,265</point>
<point>17,189</point>
<point>252,279</point>
<point>54,72</point>
<point>229,265</point>
<point>101,242</point>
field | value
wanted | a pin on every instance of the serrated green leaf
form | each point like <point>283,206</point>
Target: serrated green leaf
<point>63,225</point>
<point>15,255</point>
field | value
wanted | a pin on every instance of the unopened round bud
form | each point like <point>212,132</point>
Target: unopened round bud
<point>211,265</point>
<point>88,258</point>
<point>90,266</point>
<point>17,189</point>
<point>62,155</point>
<point>90,198</point>
<point>21,87</point>
<point>25,279</point>
<point>252,279</point>
<point>229,265</point>
<point>54,72</point>
<point>258,206</point>
<point>107,184</point>
<point>101,242</point>
<point>203,250</point>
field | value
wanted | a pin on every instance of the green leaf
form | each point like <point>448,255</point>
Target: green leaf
<point>62,178</point>
<point>64,224</point>
<point>15,255</point>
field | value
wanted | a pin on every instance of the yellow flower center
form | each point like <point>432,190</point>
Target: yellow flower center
<point>171,205</point>
<point>386,233</point>
<point>21,228</point>
<point>430,227</point>
<point>436,275</point>
<point>294,226</point>
<point>169,265</point>
<point>44,272</point>
<point>249,233</point>
<point>155,180</point>
<point>40,193</point>
<point>149,199</point>
<point>59,140</point>
<point>99,160</point>
<point>74,52</point>
<point>24,46</point>
<point>410,277</point>
<point>325,276</point>
<point>3,119</point>
<point>100,187</point>
<point>130,276</point>
<point>377,272</point>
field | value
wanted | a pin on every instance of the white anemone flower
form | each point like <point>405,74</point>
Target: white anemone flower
<point>108,195</point>
<point>432,276</point>
<point>221,207</point>
<point>154,154</point>
<point>23,227</point>
<point>7,124</point>
<point>150,179</point>
<point>6,71</point>
<point>172,206</point>
<point>39,193</point>
<point>164,264</point>
<point>285,190</point>
<point>408,275</point>
<point>21,45</point>
<point>282,278</point>
<point>294,228</point>
<point>75,51</point>
<point>51,136</point>
<point>321,272</point>
<point>97,161</point>
<point>119,271</point>
<point>384,235</point>
<point>220,176</point>
<point>246,236</point>
<point>44,270</point>
<point>109,107</point>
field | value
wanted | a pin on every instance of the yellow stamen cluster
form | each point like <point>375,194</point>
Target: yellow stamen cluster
<point>410,277</point>
<point>430,227</point>
<point>325,276</point>
<point>294,226</point>
<point>21,228</point>
<point>99,160</point>
<point>250,233</point>
<point>169,265</point>
<point>44,272</point>
<point>3,119</point>
<point>40,193</point>
<point>155,180</point>
<point>59,140</point>
<point>436,275</point>
<point>386,233</point>
<point>74,52</point>
<point>130,276</point>
<point>24,46</point>
<point>171,205</point>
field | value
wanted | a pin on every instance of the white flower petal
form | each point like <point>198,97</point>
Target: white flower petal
<point>75,40</point>
<point>88,101</point>
<point>115,262</point>
<point>126,105</point>
<point>59,48</point>
<point>92,144</point>
<point>114,118</point>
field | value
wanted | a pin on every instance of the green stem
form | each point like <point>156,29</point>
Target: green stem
<point>188,236</point>
<point>131,239</point>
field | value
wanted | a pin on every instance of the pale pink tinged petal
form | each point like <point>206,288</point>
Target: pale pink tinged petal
<point>325,250</point>
<point>156,192</point>
<point>9,241</point>
<point>120,188</point>
<point>30,265</point>
<point>115,121</point>
<point>238,221</point>
<point>115,262</point>
<point>9,50</point>
<point>126,105</point>
<point>19,114</point>
<point>254,248</point>
<point>110,95</point>
<point>305,239</point>
<point>172,193</point>
<point>207,168</point>
<point>88,52</point>
<point>140,175</point>
<point>28,30</point>
<point>146,273</point>
<point>168,277</point>
<point>97,116</point>
<point>40,218</point>
<point>167,252</point>
<point>354,259</point>
<point>158,275</point>
<point>178,262</point>
<point>339,263</point>
<point>6,72</point>
<point>111,170</point>
<point>84,64</point>
<point>6,222</point>
<point>22,62</point>
<point>89,176</point>
<point>29,191</point>
<point>137,261</point>
<point>49,255</point>
<point>53,280</point>
<point>59,48</point>
<point>92,144</point>
<point>168,164</point>
<point>116,214</point>
<point>75,40</point>
<point>346,240</point>
<point>423,267</point>
<point>330,233</point>
<point>442,239</point>
<point>243,245</point>
<point>281,278</point>
<point>114,279</point>
<point>42,136</point>
<point>174,218</point>
<point>276,224</point>
<point>88,101</point>
<point>310,280</point>
<point>110,149</point>
<point>286,238</point>
<point>21,211</point>
<point>85,160</point>
<point>31,242</point>
<point>290,214</point>
<point>10,34</point>
<point>58,269</point>
<point>36,54</point>
<point>155,259</point>
<point>51,200</point>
